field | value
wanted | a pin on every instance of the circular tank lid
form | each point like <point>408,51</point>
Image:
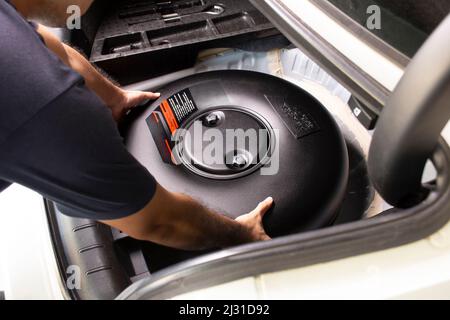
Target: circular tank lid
<point>225,143</point>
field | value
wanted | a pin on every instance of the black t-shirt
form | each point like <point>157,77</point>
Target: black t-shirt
<point>56,136</point>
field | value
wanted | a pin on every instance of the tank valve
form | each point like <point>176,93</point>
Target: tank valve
<point>212,119</point>
<point>239,161</point>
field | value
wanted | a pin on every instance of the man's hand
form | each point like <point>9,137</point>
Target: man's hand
<point>128,100</point>
<point>254,220</point>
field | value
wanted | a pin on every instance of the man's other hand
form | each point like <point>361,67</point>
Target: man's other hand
<point>254,220</point>
<point>128,100</point>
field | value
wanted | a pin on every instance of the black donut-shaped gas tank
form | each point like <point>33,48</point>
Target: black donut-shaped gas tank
<point>307,171</point>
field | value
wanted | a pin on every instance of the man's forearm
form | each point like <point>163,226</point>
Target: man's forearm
<point>109,92</point>
<point>192,226</point>
<point>102,86</point>
<point>178,221</point>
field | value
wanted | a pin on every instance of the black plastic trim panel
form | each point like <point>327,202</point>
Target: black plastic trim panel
<point>88,245</point>
<point>132,43</point>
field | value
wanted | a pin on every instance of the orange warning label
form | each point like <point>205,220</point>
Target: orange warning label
<point>166,120</point>
<point>169,116</point>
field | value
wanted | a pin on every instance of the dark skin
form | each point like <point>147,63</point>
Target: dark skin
<point>188,225</point>
<point>171,219</point>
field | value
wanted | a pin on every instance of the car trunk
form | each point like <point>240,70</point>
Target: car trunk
<point>152,43</point>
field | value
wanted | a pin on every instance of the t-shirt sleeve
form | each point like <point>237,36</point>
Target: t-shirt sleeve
<point>72,153</point>
<point>31,76</point>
